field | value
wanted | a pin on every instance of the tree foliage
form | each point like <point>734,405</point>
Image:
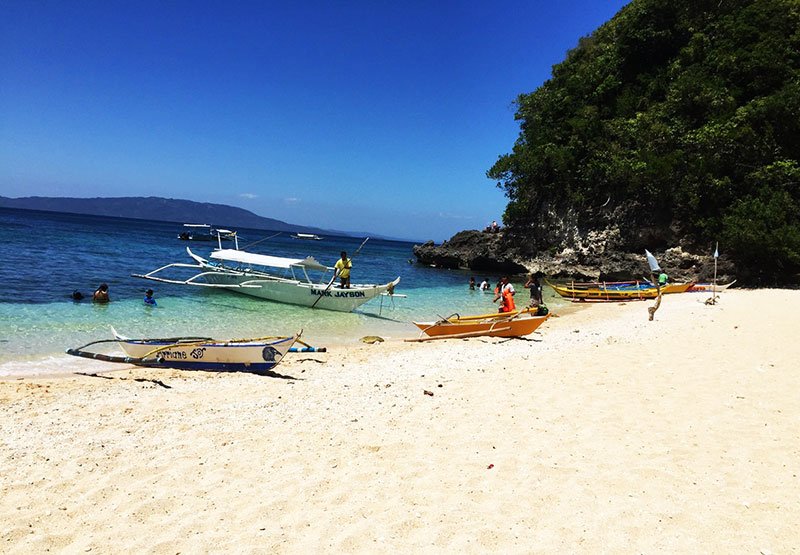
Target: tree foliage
<point>688,110</point>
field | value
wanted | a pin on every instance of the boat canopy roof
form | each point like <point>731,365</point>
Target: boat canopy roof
<point>196,225</point>
<point>232,255</point>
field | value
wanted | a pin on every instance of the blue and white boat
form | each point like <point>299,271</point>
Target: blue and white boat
<point>196,353</point>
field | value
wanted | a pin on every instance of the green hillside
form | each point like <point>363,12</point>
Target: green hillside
<point>677,121</point>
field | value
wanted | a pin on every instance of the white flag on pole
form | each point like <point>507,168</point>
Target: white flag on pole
<point>651,260</point>
<point>716,250</point>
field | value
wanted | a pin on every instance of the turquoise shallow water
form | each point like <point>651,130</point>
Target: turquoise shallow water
<point>48,255</point>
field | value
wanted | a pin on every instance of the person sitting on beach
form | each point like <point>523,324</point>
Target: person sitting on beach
<point>148,298</point>
<point>663,278</point>
<point>101,295</point>
<point>472,284</point>
<point>536,290</point>
<point>342,270</point>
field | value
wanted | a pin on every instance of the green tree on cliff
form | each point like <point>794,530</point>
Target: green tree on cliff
<point>687,109</point>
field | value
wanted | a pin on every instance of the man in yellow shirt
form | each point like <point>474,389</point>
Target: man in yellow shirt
<point>342,269</point>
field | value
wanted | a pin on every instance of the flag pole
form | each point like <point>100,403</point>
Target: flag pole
<point>714,283</point>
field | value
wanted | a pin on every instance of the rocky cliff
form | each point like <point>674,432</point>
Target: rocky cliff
<point>595,256</point>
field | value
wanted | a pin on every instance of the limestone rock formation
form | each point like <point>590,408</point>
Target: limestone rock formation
<point>472,249</point>
<point>595,256</point>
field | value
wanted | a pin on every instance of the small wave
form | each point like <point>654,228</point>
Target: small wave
<point>58,366</point>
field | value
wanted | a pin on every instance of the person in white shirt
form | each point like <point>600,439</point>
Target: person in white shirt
<point>507,286</point>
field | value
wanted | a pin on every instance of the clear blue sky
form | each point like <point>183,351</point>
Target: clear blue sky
<point>373,116</point>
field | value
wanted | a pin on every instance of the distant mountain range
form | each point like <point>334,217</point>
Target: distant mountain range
<point>161,209</point>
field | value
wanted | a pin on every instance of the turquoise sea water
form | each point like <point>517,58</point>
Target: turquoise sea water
<point>45,256</point>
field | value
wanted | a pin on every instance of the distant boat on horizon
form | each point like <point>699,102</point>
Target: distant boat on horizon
<point>307,236</point>
<point>204,232</point>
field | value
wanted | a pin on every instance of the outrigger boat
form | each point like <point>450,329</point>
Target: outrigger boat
<point>204,232</point>
<point>709,287</point>
<point>258,275</point>
<point>619,291</point>
<point>195,353</point>
<point>307,236</point>
<point>508,324</point>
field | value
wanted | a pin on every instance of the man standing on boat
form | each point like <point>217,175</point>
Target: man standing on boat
<point>342,269</point>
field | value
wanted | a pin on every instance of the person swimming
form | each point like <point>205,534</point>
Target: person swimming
<point>101,294</point>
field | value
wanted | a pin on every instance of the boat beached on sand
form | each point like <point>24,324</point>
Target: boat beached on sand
<point>503,324</point>
<point>709,287</point>
<point>619,291</point>
<point>196,353</point>
<point>274,278</point>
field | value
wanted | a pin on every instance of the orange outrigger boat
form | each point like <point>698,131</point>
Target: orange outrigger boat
<point>506,324</point>
<point>615,292</point>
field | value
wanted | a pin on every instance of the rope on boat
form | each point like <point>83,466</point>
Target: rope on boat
<point>260,241</point>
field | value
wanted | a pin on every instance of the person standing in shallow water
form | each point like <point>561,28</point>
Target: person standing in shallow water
<point>536,290</point>
<point>472,283</point>
<point>101,294</point>
<point>148,298</point>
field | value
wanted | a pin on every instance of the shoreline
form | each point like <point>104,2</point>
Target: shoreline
<point>599,432</point>
<point>391,328</point>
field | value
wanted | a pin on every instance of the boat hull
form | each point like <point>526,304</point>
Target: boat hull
<point>709,287</point>
<point>249,356</point>
<point>300,293</point>
<point>490,325</point>
<point>616,294</point>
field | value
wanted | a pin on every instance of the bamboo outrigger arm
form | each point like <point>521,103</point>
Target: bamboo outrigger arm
<point>456,335</point>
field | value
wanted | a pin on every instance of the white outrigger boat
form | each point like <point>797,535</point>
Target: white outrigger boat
<point>307,236</point>
<point>204,232</point>
<point>257,275</point>
<point>195,353</point>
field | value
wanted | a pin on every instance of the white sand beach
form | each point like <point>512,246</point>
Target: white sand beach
<point>601,432</point>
